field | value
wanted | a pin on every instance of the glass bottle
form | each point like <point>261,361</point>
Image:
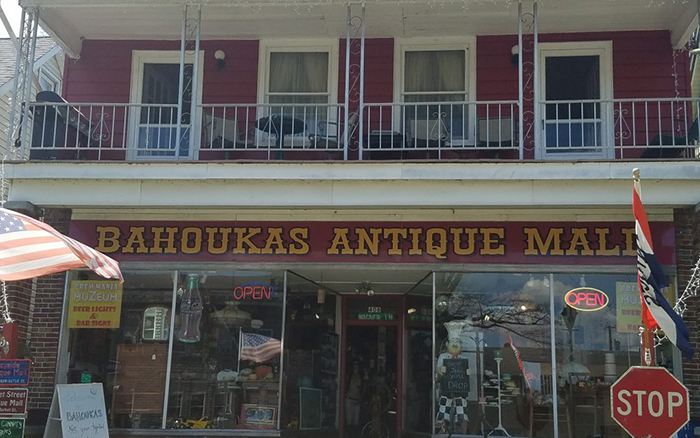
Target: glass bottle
<point>190,311</point>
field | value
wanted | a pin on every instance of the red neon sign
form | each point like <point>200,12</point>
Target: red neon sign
<point>253,291</point>
<point>586,299</point>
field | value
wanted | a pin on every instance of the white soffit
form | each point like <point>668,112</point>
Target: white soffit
<point>159,19</point>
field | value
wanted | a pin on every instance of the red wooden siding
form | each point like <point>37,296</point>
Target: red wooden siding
<point>642,68</point>
<point>103,73</point>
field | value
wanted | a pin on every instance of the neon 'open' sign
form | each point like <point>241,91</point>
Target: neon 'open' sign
<point>253,291</point>
<point>586,299</point>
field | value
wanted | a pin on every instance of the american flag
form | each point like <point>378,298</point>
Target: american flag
<point>30,248</point>
<point>656,310</point>
<point>259,348</point>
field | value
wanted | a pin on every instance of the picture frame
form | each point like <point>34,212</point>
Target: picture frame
<point>310,408</point>
<point>255,416</point>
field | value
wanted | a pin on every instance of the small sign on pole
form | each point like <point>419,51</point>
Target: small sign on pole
<point>14,372</point>
<point>649,402</point>
<point>77,411</point>
<point>12,427</point>
<point>13,401</point>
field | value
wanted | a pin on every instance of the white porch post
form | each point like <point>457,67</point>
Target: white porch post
<point>194,110</point>
<point>22,87</point>
<point>360,110</point>
<point>181,80</point>
<point>521,91</point>
<point>346,136</point>
<point>538,122</point>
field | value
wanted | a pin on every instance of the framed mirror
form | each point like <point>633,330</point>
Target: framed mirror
<point>155,324</point>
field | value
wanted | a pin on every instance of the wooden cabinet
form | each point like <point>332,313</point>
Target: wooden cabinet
<point>139,381</point>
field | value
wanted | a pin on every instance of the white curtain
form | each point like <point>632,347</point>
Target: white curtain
<point>298,72</point>
<point>431,71</point>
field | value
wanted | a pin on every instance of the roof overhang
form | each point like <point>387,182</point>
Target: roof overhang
<point>71,21</point>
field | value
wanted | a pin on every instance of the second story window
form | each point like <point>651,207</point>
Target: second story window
<point>435,78</point>
<point>297,98</point>
<point>298,77</point>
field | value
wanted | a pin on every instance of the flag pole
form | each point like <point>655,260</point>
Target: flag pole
<point>240,342</point>
<point>646,334</point>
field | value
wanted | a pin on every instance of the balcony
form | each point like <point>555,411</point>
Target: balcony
<point>568,130</point>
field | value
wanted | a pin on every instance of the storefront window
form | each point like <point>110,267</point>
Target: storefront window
<point>126,350</point>
<point>597,321</point>
<point>311,354</point>
<point>483,323</point>
<point>419,357</point>
<point>226,350</point>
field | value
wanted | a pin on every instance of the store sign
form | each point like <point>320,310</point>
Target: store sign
<point>374,313</point>
<point>14,372</point>
<point>629,306</point>
<point>412,242</point>
<point>13,401</point>
<point>254,292</point>
<point>94,304</point>
<point>586,299</point>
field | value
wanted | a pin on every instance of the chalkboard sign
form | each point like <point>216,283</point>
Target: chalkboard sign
<point>310,400</point>
<point>455,381</point>
<point>78,411</point>
<point>12,427</point>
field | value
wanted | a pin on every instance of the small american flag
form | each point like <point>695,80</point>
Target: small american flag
<point>30,248</point>
<point>259,348</point>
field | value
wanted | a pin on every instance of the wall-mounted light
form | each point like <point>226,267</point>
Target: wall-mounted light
<point>515,54</point>
<point>365,288</point>
<point>220,59</point>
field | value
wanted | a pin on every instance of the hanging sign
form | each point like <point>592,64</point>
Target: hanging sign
<point>94,304</point>
<point>586,299</point>
<point>12,427</point>
<point>13,401</point>
<point>14,372</point>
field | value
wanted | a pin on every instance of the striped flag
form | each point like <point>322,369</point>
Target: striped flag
<point>30,248</point>
<point>528,376</point>
<point>259,348</point>
<point>656,311</point>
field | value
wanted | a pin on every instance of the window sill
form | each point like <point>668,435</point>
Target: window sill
<point>195,432</point>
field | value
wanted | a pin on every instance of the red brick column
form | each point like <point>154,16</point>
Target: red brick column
<point>687,223</point>
<point>43,329</point>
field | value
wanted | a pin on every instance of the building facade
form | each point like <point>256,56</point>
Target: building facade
<point>351,219</point>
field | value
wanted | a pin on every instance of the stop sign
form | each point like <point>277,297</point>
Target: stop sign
<point>649,402</point>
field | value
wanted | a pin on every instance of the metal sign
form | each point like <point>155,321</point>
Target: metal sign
<point>13,401</point>
<point>649,402</point>
<point>14,372</point>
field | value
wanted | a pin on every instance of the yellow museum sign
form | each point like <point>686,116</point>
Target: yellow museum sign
<point>94,304</point>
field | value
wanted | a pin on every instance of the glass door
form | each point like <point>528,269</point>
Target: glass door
<point>575,111</point>
<point>372,372</point>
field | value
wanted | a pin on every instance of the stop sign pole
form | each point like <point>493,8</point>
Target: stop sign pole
<point>649,402</point>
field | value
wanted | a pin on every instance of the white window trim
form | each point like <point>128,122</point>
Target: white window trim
<point>604,49</point>
<point>138,59</point>
<point>296,45</point>
<point>468,43</point>
<point>310,45</point>
<point>43,71</point>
